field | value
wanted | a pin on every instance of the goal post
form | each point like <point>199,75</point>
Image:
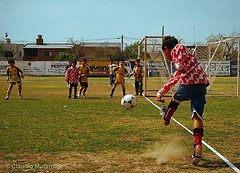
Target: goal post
<point>213,56</point>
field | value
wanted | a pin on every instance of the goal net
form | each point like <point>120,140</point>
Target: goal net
<point>219,59</point>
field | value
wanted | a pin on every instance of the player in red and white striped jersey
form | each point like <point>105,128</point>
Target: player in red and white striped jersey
<point>192,86</point>
<point>72,77</point>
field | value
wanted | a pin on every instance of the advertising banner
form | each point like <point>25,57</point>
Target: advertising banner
<point>99,68</point>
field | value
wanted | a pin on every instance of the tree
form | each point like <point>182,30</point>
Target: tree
<point>77,48</point>
<point>130,52</point>
<point>65,56</point>
<point>231,49</point>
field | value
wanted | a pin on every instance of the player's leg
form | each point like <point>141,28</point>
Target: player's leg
<point>9,90</point>
<point>85,89</point>
<point>20,90</point>
<point>168,112</point>
<point>70,91</point>
<point>81,88</point>
<point>75,90</point>
<point>183,93</point>
<point>141,87</point>
<point>136,87</point>
<point>123,89</point>
<point>197,108</point>
<point>111,80</point>
<point>113,89</point>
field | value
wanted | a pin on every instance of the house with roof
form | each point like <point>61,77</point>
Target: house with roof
<point>41,51</point>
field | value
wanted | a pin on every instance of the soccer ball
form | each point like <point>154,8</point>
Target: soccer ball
<point>129,102</point>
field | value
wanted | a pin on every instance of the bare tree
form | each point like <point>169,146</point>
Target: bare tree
<point>230,52</point>
<point>77,47</point>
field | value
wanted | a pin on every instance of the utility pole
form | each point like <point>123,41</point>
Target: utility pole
<point>122,42</point>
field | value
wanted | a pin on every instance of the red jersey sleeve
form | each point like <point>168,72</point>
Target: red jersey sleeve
<point>170,83</point>
<point>67,76</point>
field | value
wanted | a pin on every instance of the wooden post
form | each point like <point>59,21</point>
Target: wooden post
<point>145,66</point>
<point>238,75</point>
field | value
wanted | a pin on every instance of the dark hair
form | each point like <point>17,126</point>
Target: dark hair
<point>11,60</point>
<point>70,60</point>
<point>111,61</point>
<point>85,60</point>
<point>137,60</point>
<point>75,62</point>
<point>169,42</point>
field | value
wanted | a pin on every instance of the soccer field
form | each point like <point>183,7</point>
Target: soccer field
<point>46,132</point>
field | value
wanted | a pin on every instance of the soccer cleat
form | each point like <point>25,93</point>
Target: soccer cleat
<point>196,156</point>
<point>20,95</point>
<point>84,96</point>
<point>163,110</point>
<point>69,97</point>
<point>7,97</point>
<point>110,96</point>
<point>75,97</point>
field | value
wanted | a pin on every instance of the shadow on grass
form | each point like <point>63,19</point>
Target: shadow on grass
<point>216,164</point>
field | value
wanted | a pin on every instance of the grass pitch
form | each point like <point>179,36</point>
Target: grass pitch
<point>46,132</point>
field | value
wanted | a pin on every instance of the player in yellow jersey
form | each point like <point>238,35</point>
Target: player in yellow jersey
<point>120,72</point>
<point>138,73</point>
<point>84,72</point>
<point>14,73</point>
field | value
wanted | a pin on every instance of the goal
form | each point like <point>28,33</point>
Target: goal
<point>219,59</point>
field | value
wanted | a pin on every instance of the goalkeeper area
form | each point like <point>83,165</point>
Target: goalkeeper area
<point>220,60</point>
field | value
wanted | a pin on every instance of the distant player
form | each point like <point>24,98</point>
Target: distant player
<point>15,74</point>
<point>69,65</point>
<point>120,72</point>
<point>84,72</point>
<point>138,73</point>
<point>192,86</point>
<point>111,73</point>
<point>72,77</point>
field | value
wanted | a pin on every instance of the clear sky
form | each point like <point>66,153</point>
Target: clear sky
<point>57,20</point>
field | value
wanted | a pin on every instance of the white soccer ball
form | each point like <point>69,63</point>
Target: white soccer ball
<point>129,102</point>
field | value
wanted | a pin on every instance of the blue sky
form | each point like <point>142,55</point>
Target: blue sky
<point>57,20</point>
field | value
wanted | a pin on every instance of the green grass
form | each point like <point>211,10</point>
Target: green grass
<point>47,123</point>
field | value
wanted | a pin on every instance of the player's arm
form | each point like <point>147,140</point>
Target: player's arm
<point>133,72</point>
<point>88,72</point>
<point>8,74</point>
<point>168,86</point>
<point>142,72</point>
<point>67,75</point>
<point>21,71</point>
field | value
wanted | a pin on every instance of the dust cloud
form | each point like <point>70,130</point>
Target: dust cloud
<point>166,151</point>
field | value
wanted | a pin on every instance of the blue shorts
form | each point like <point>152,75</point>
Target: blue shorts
<point>194,92</point>
<point>14,83</point>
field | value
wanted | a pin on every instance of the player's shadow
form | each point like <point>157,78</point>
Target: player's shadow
<point>216,164</point>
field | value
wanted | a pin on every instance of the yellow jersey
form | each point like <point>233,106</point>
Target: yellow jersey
<point>83,70</point>
<point>120,73</point>
<point>14,73</point>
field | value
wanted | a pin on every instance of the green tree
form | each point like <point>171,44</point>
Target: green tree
<point>65,56</point>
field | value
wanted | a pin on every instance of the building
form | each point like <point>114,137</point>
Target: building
<point>11,51</point>
<point>48,52</point>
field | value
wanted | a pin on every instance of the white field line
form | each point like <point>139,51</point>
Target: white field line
<point>204,143</point>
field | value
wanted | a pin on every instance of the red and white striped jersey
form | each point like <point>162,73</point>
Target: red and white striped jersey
<point>72,75</point>
<point>194,73</point>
